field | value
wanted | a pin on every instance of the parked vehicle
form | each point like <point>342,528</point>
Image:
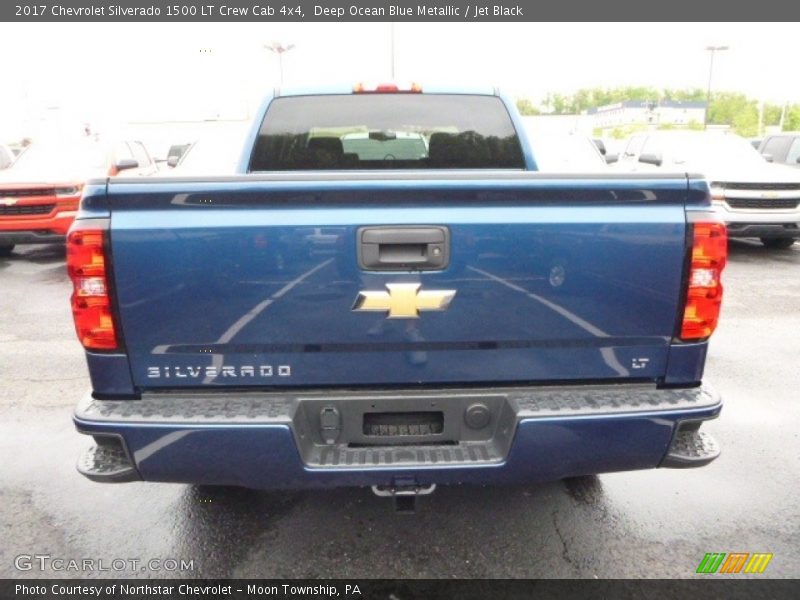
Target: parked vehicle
<point>175,152</point>
<point>6,157</point>
<point>782,148</point>
<point>601,145</point>
<point>755,198</point>
<point>18,148</point>
<point>39,195</point>
<point>415,346</point>
<point>215,154</point>
<point>566,153</point>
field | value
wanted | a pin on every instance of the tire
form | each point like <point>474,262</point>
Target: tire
<point>5,250</point>
<point>778,243</point>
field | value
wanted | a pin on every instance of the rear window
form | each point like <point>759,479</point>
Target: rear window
<point>386,131</point>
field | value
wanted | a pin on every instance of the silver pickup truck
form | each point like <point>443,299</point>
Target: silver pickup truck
<point>754,198</point>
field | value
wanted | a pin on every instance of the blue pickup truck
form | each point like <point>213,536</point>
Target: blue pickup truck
<point>389,294</point>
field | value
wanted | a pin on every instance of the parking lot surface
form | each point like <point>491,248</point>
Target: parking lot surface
<point>642,524</point>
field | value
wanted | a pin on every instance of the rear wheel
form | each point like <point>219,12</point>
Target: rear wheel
<point>5,250</point>
<point>778,243</point>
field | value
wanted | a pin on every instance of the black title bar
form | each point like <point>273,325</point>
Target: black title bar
<point>387,589</point>
<point>243,11</point>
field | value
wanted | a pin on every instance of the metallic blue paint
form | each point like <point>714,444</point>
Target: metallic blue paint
<point>265,456</point>
<point>278,277</point>
<point>522,132</point>
<point>685,363</point>
<point>110,374</point>
<point>94,204</point>
<point>698,197</point>
<point>514,188</point>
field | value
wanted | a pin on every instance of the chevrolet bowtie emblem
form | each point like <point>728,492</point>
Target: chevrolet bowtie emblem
<point>8,201</point>
<point>404,300</point>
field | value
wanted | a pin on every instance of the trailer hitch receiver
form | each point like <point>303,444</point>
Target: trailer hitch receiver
<point>404,492</point>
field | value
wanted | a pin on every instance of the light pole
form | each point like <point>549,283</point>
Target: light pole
<point>713,50</point>
<point>280,50</point>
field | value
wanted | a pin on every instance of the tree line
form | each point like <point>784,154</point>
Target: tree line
<point>734,109</point>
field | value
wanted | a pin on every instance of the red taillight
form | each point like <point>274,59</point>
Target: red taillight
<point>704,293</point>
<point>91,300</point>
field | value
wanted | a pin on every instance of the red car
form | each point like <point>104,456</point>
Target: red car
<point>39,194</point>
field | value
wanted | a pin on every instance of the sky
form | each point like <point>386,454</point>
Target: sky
<point>110,74</point>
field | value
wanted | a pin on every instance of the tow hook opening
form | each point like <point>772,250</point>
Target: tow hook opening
<point>404,494</point>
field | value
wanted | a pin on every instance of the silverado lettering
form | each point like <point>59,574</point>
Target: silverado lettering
<point>198,372</point>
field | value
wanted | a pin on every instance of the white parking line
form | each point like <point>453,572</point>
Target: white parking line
<point>607,353</point>
<point>246,318</point>
<point>259,308</point>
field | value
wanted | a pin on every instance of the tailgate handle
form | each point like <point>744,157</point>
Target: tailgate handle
<point>415,248</point>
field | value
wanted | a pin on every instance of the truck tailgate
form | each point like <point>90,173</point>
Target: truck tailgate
<point>256,281</point>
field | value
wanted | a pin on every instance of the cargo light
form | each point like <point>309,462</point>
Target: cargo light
<point>91,300</point>
<point>386,88</point>
<point>704,292</point>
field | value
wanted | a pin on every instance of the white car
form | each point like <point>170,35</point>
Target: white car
<point>755,198</point>
<point>566,153</point>
<point>212,154</point>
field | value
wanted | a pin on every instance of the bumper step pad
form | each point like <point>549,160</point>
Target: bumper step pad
<point>107,464</point>
<point>691,449</point>
<point>331,430</point>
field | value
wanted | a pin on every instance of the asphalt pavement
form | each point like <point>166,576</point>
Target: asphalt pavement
<point>657,523</point>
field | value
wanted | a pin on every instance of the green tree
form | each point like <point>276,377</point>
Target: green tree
<point>772,114</point>
<point>734,109</point>
<point>746,123</point>
<point>690,95</point>
<point>586,98</point>
<point>526,107</point>
<point>618,133</point>
<point>791,121</point>
<point>556,103</point>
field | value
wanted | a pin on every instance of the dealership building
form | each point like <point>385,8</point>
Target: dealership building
<point>644,112</point>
